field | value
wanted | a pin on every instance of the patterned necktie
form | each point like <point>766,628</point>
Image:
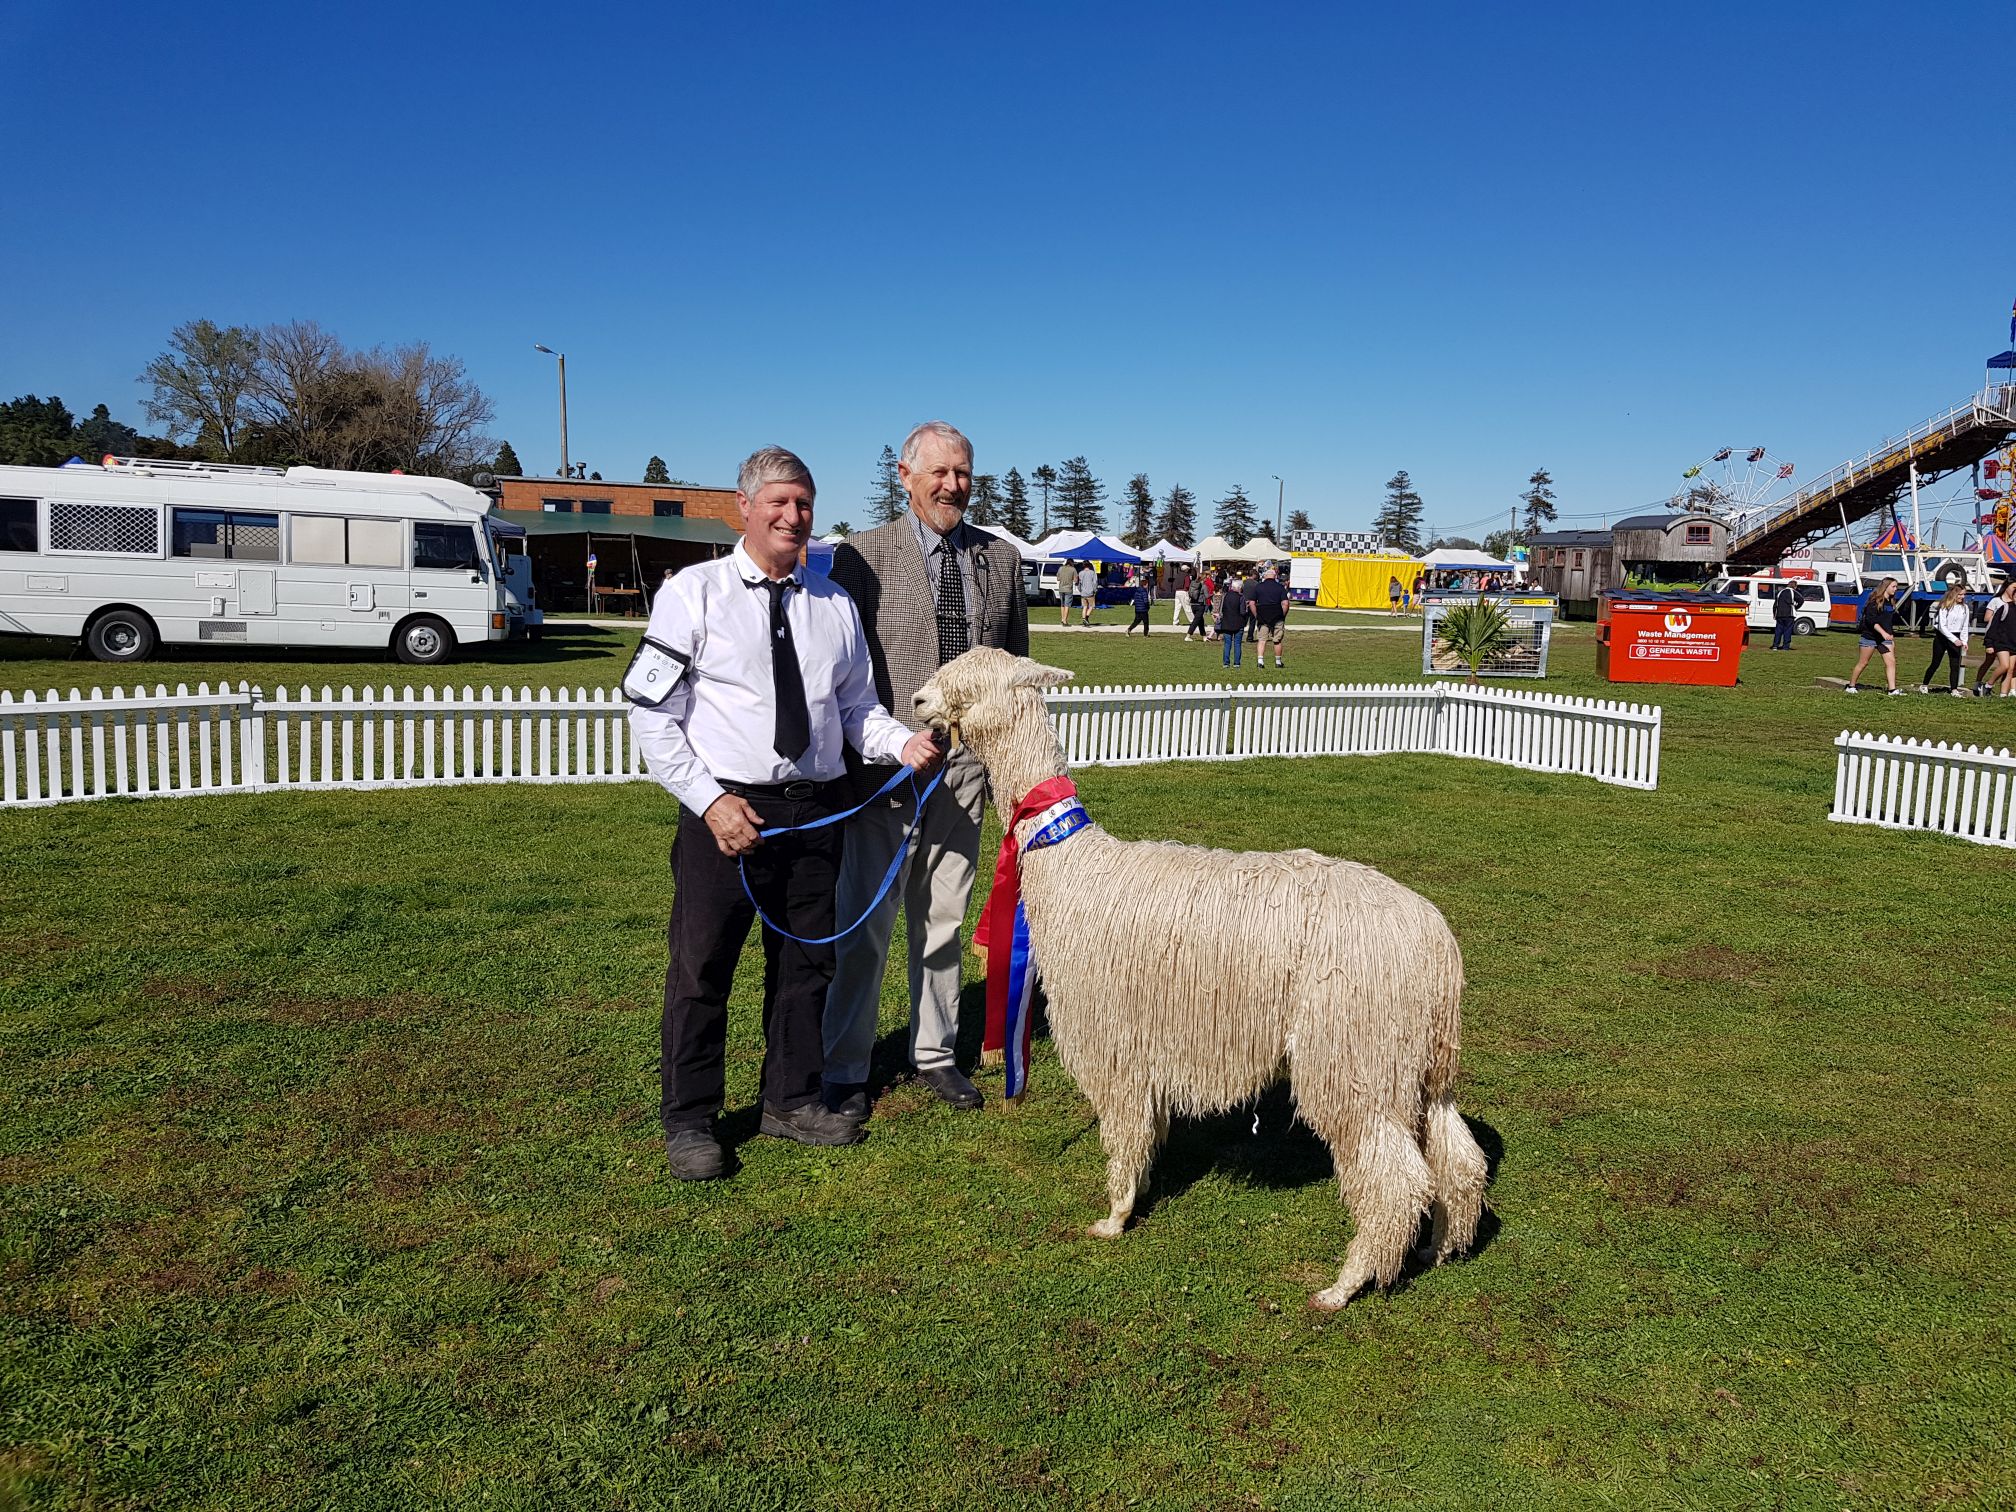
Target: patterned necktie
<point>787,682</point>
<point>952,636</point>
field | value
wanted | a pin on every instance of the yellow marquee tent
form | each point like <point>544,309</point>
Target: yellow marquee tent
<point>1353,581</point>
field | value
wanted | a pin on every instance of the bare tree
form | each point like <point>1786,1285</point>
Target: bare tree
<point>201,383</point>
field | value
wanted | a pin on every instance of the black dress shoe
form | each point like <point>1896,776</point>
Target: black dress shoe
<point>951,1087</point>
<point>849,1100</point>
<point>811,1123</point>
<point>694,1155</point>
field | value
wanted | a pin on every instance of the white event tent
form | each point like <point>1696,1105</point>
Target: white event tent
<point>1259,549</point>
<point>1060,544</point>
<point>1166,551</point>
<point>1029,552</point>
<point>1455,559</point>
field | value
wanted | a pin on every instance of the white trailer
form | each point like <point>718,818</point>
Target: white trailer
<point>136,554</point>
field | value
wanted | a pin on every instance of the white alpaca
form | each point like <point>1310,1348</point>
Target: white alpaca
<point>1326,968</point>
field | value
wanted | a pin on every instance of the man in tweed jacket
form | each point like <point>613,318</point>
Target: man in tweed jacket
<point>911,579</point>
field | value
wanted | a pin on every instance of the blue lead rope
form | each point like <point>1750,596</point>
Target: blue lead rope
<point>888,877</point>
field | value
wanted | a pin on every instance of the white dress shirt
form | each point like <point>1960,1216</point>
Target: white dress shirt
<point>710,638</point>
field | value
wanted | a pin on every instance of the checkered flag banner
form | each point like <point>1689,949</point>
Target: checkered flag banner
<point>1333,540</point>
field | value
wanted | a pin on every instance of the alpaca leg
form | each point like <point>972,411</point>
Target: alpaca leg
<point>1386,1183</point>
<point>1131,1135</point>
<point>1459,1170</point>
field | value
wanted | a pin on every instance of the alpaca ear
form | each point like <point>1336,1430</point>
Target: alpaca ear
<point>1033,674</point>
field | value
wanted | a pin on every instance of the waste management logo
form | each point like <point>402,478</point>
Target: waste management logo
<point>1677,620</point>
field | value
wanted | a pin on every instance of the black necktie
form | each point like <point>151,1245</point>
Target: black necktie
<point>952,637</point>
<point>794,724</point>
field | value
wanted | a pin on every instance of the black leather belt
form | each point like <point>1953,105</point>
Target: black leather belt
<point>796,792</point>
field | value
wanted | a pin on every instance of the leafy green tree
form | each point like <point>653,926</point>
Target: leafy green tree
<point>1045,479</point>
<point>1015,505</point>
<point>841,528</point>
<point>886,499</point>
<point>1177,524</point>
<point>1454,543</point>
<point>1079,496</point>
<point>35,432</point>
<point>1298,519</point>
<point>1398,522</point>
<point>1235,520</point>
<point>1140,529</point>
<point>984,507</point>
<point>506,463</point>
<point>1539,497</point>
<point>202,382</point>
<point>654,472</point>
<point>1500,543</point>
<point>100,435</point>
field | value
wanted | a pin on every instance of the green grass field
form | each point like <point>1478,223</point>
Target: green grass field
<point>328,1137</point>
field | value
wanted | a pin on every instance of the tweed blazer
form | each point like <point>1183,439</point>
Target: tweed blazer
<point>883,571</point>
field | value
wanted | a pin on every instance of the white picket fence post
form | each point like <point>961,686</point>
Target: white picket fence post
<point>59,749</point>
<point>1900,783</point>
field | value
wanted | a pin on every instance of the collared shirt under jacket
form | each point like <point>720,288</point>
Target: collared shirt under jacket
<point>717,722</point>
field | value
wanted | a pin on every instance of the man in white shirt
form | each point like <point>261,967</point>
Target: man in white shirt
<point>752,678</point>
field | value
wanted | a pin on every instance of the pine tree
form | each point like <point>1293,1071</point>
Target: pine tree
<point>1015,505</point>
<point>1298,519</point>
<point>886,499</point>
<point>1398,522</point>
<point>1235,517</point>
<point>507,464</point>
<point>984,507</point>
<point>1045,479</point>
<point>1539,497</point>
<point>1140,529</point>
<point>654,471</point>
<point>1079,495</point>
<point>1177,524</point>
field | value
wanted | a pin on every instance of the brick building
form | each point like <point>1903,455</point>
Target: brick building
<point>634,531</point>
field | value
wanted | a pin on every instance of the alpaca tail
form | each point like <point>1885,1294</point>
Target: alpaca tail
<point>1460,1171</point>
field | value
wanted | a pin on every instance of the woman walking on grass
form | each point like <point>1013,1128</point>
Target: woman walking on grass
<point>1999,608</point>
<point>1878,632</point>
<point>1949,640</point>
<point>1231,621</point>
<point>2001,643</point>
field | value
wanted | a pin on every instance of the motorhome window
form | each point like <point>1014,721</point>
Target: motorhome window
<point>444,548</point>
<point>17,525</point>
<point>317,538</point>
<point>226,535</point>
<point>595,506</point>
<point>1808,593</point>
<point>669,509</point>
<point>557,506</point>
<point>377,543</point>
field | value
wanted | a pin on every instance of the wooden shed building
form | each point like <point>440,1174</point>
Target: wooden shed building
<point>1671,548</point>
<point>1574,566</point>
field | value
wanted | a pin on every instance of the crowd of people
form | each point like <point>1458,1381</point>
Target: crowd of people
<point>1950,624</point>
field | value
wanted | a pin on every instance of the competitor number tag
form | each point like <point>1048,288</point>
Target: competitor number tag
<point>653,673</point>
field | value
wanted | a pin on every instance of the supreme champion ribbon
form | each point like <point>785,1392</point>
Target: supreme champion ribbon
<point>1004,928</point>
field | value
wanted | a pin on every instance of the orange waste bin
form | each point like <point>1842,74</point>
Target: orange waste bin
<point>1681,637</point>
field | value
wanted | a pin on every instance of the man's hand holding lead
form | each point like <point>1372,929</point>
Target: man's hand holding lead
<point>737,828</point>
<point>922,753</point>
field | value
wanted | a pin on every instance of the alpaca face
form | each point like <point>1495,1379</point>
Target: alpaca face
<point>977,695</point>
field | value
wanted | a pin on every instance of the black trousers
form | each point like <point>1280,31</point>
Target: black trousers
<point>794,879</point>
<point>1942,647</point>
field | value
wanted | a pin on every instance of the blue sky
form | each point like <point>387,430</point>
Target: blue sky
<point>1209,243</point>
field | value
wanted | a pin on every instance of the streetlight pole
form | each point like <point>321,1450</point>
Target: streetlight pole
<point>565,471</point>
<point>1280,493</point>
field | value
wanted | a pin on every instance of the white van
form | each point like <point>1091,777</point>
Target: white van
<point>1809,601</point>
<point>136,554</point>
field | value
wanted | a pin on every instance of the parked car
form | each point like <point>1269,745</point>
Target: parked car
<point>1809,612</point>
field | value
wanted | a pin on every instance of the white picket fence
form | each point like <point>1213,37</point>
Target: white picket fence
<point>1612,742</point>
<point>67,748</point>
<point>57,749</point>
<point>1900,783</point>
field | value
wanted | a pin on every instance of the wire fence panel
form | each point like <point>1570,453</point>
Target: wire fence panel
<point>1900,783</point>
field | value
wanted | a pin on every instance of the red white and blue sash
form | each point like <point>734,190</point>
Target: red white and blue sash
<point>1004,928</point>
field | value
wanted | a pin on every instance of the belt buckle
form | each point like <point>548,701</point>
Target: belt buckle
<point>800,789</point>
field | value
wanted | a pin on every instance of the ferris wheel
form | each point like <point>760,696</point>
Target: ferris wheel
<point>1739,483</point>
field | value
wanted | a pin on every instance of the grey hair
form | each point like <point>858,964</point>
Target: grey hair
<point>943,430</point>
<point>772,464</point>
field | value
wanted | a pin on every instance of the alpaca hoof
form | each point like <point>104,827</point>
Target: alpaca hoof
<point>1107,1228</point>
<point>1332,1298</point>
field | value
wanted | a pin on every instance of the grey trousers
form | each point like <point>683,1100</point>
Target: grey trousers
<point>934,887</point>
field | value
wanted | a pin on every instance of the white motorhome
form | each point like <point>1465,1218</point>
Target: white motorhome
<point>1760,596</point>
<point>136,554</point>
